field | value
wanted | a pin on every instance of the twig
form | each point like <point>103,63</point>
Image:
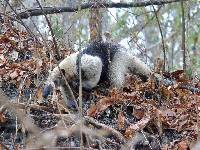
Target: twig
<point>35,25</point>
<point>161,34</point>
<point>32,106</point>
<point>183,35</point>
<point>108,129</point>
<point>69,118</point>
<point>90,121</point>
<point>11,18</point>
<point>80,88</point>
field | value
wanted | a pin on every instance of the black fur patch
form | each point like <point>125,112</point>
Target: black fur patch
<point>105,51</point>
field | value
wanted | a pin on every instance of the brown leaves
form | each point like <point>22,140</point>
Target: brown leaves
<point>183,145</point>
<point>121,120</point>
<point>101,105</point>
<point>138,112</point>
<point>39,94</point>
<point>15,74</point>
<point>177,109</point>
<point>133,128</point>
<point>113,98</point>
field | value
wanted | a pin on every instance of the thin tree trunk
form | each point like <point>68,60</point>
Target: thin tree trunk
<point>95,23</point>
<point>183,36</point>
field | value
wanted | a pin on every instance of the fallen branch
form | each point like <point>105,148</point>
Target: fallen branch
<point>32,106</point>
<point>109,130</point>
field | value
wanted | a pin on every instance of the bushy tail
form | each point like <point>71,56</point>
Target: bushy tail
<point>124,62</point>
<point>138,67</point>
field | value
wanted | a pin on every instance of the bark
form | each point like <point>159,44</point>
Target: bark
<point>95,23</point>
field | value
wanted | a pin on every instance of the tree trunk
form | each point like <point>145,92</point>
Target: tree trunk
<point>95,23</point>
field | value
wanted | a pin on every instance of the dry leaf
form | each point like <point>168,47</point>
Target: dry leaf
<point>27,82</point>
<point>121,120</point>
<point>133,128</point>
<point>14,74</point>
<point>138,112</point>
<point>165,147</point>
<point>2,118</point>
<point>3,71</point>
<point>92,111</point>
<point>101,105</point>
<point>168,113</point>
<point>183,145</point>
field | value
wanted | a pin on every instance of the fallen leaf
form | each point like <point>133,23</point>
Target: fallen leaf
<point>3,71</point>
<point>14,74</point>
<point>27,82</point>
<point>2,118</point>
<point>39,95</point>
<point>133,128</point>
<point>92,111</point>
<point>101,105</point>
<point>165,147</point>
<point>168,113</point>
<point>121,120</point>
<point>138,112</point>
<point>183,145</point>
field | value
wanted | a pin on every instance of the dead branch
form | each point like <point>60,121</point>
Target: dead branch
<point>52,10</point>
<point>109,130</point>
<point>32,106</point>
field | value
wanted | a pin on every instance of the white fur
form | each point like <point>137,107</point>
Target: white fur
<point>90,65</point>
<point>92,68</point>
<point>68,64</point>
<point>124,62</point>
<point>118,68</point>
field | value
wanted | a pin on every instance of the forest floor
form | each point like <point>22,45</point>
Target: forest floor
<point>142,116</point>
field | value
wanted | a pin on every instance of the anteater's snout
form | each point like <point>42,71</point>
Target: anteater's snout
<point>48,89</point>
